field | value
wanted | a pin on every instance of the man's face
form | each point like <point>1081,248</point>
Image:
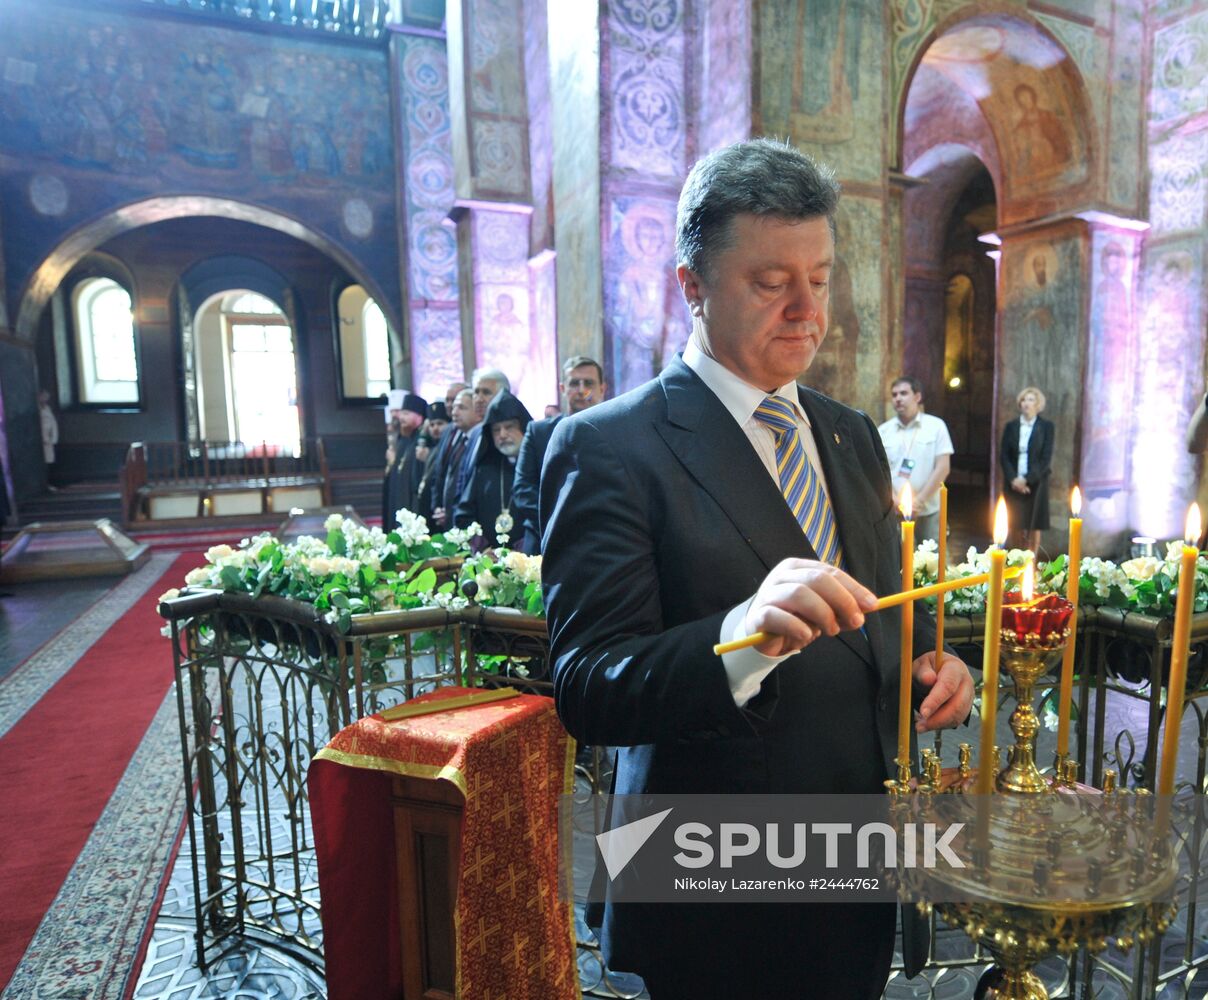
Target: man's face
<point>761,312</point>
<point>451,394</point>
<point>581,387</point>
<point>408,421</point>
<point>905,401</point>
<point>436,428</point>
<point>485,389</point>
<point>463,412</point>
<point>507,435</point>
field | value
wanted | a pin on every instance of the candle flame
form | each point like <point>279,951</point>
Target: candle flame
<point>1192,533</point>
<point>1000,522</point>
<point>1075,501</point>
<point>1028,584</point>
<point>906,502</point>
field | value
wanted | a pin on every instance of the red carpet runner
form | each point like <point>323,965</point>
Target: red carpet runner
<point>60,764</point>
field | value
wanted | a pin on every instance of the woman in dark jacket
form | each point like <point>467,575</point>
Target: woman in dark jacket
<point>1026,476</point>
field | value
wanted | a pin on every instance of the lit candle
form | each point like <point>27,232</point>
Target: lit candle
<point>1073,572</point>
<point>907,647</point>
<point>1179,649</point>
<point>942,562</point>
<point>998,561</point>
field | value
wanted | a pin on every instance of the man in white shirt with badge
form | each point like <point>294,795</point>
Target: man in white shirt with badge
<point>918,447</point>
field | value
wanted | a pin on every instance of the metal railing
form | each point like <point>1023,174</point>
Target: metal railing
<point>353,18</point>
<point>264,684</point>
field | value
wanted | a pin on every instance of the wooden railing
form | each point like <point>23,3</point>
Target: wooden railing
<point>165,466</point>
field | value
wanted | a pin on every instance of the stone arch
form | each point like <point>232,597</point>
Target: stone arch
<point>999,82</point>
<point>86,238</point>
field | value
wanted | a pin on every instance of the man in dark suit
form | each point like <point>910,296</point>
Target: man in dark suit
<point>667,528</point>
<point>582,386</point>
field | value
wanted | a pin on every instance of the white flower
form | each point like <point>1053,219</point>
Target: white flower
<point>332,616</point>
<point>198,577</point>
<point>1141,568</point>
<point>462,536</point>
<point>170,595</point>
<point>450,602</point>
<point>334,522</point>
<point>412,528</point>
<point>342,564</point>
<point>319,566</point>
<point>485,582</point>
<point>526,568</point>
<point>219,552</point>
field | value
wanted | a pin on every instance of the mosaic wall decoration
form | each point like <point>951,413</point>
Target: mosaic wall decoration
<point>1169,386</point>
<point>1111,361</point>
<point>435,331</point>
<point>645,86</point>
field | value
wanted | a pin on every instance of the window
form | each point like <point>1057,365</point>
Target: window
<point>377,349</point>
<point>263,377</point>
<point>364,338</point>
<point>106,357</point>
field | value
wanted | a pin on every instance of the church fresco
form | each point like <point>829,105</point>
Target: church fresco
<point>1179,84</point>
<point>1123,152</point>
<point>1178,188</point>
<point>645,318</point>
<point>173,103</point>
<point>1169,386</point>
<point>820,80</point>
<point>848,366</point>
<point>433,323</point>
<point>1041,314</point>
<point>497,108</point>
<point>1111,362</point>
<point>105,108</point>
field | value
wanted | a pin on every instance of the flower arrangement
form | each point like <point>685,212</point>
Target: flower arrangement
<point>1146,584</point>
<point>353,570</point>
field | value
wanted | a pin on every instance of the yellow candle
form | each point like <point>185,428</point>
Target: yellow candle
<point>1179,649</point>
<point>1073,571</point>
<point>942,557</point>
<point>986,765</point>
<point>907,647</point>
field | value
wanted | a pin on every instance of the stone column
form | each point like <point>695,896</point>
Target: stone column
<point>505,297</point>
<point>1042,342</point>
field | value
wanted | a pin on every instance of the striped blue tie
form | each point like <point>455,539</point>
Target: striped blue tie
<point>799,481</point>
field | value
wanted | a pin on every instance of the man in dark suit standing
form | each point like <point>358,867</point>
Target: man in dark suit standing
<point>668,527</point>
<point>582,386</point>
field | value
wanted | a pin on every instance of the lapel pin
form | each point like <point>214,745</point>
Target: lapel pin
<point>837,439</point>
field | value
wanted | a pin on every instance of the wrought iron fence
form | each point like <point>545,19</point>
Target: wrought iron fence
<point>264,684</point>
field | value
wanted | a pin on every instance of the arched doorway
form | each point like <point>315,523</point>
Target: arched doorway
<point>994,138</point>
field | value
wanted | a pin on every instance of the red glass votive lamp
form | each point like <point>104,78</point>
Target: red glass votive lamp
<point>1041,621</point>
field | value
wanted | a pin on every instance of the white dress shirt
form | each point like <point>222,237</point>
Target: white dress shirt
<point>1025,435</point>
<point>746,668</point>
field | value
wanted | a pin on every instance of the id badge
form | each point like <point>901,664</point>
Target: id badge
<point>906,468</point>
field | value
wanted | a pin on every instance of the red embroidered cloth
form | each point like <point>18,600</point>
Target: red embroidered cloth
<point>511,760</point>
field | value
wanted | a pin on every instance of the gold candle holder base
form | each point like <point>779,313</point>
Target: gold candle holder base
<point>1026,663</point>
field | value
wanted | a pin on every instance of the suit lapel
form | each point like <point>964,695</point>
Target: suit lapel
<point>715,451</point>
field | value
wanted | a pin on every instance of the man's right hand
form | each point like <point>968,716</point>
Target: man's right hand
<point>801,599</point>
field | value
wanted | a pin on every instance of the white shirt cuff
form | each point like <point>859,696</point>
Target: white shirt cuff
<point>745,668</point>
